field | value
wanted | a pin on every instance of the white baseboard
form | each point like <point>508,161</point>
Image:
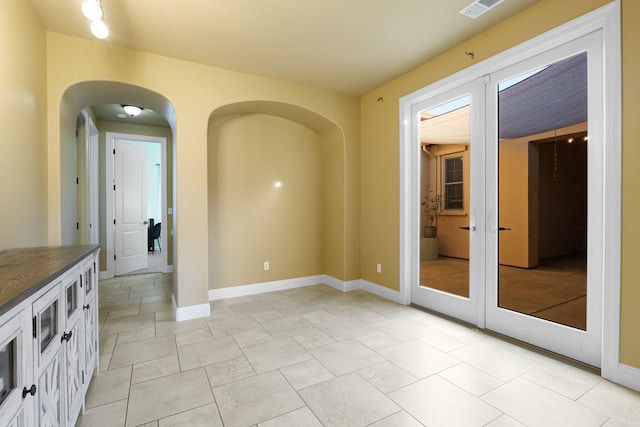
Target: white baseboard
<point>281,285</point>
<point>104,275</point>
<point>381,291</point>
<point>629,376</point>
<point>261,288</point>
<point>190,312</point>
<point>340,285</point>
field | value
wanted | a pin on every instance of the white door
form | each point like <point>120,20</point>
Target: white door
<point>544,173</point>
<point>448,266</point>
<point>130,180</point>
<point>515,164</point>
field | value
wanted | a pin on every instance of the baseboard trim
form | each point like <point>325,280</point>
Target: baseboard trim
<point>190,312</point>
<point>261,288</point>
<point>341,285</point>
<point>281,285</point>
<point>629,376</point>
<point>381,291</point>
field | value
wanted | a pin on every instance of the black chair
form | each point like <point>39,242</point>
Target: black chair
<point>155,236</point>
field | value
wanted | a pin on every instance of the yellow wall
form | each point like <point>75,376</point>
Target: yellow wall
<point>252,221</point>
<point>195,91</point>
<point>380,127</point>
<point>23,148</point>
<point>630,295</point>
<point>164,132</point>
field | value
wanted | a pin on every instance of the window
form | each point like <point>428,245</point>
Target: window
<point>453,183</point>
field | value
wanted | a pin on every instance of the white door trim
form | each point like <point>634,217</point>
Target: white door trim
<point>110,137</point>
<point>606,18</point>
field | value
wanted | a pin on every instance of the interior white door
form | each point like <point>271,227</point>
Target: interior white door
<point>561,308</point>
<point>448,268</point>
<point>130,179</point>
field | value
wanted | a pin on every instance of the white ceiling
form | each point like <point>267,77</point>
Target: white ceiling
<point>351,46</point>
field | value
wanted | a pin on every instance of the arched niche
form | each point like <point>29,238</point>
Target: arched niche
<point>299,228</point>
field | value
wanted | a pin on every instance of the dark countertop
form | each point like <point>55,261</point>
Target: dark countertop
<point>26,270</point>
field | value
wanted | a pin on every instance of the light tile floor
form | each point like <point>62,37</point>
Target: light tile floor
<point>315,356</point>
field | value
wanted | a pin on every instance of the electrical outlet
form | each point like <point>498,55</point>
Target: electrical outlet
<point>266,265</point>
<point>379,268</point>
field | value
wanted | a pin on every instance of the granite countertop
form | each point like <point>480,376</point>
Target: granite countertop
<point>26,270</point>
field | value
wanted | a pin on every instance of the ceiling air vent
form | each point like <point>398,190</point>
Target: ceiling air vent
<point>479,7</point>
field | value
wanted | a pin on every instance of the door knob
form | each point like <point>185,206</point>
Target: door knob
<point>469,228</point>
<point>146,222</point>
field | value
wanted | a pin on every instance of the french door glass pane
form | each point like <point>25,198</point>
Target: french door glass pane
<point>542,193</point>
<point>444,196</point>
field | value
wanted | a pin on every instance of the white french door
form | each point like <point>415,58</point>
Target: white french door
<point>544,234</point>
<point>450,135</point>
<point>510,167</point>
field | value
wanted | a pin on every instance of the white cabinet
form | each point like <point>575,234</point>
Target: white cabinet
<point>48,350</point>
<point>16,408</point>
<point>90,310</point>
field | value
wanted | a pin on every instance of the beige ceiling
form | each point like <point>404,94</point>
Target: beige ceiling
<point>350,46</point>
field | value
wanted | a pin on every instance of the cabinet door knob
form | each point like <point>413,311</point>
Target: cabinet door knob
<point>31,391</point>
<point>66,337</point>
<point>86,307</point>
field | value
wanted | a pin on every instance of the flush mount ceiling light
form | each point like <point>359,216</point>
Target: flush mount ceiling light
<point>132,110</point>
<point>92,9</point>
<point>479,7</point>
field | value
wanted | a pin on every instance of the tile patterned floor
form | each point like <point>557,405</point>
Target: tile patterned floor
<point>319,357</point>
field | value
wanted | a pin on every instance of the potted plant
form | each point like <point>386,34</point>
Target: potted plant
<point>432,208</point>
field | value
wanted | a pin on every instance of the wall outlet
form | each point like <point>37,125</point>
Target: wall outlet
<point>266,265</point>
<point>379,268</point>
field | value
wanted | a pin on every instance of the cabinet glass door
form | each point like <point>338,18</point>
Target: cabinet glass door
<point>48,325</point>
<point>7,369</point>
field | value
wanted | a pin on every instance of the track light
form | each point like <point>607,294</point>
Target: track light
<point>92,9</point>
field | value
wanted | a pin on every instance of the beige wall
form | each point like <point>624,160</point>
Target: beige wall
<point>252,221</point>
<point>630,295</point>
<point>164,132</point>
<point>23,148</point>
<point>380,151</point>
<point>195,91</point>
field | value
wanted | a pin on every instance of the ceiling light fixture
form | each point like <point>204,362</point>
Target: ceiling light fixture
<point>92,9</point>
<point>100,29</point>
<point>132,110</point>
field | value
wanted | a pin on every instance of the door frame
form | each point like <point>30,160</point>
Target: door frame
<point>110,137</point>
<point>607,19</point>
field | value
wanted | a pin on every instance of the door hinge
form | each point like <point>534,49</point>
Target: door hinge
<point>114,222</point>
<point>34,323</point>
<point>114,257</point>
<point>114,187</point>
<point>114,151</point>
<point>77,226</point>
<point>77,181</point>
